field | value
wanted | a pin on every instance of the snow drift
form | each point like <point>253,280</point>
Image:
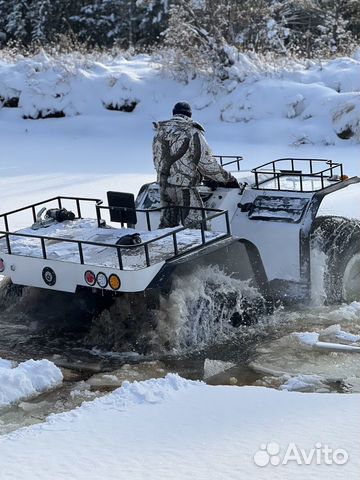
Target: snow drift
<point>313,103</point>
<point>27,379</point>
<point>172,428</point>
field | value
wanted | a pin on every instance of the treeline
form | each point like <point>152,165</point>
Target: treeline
<point>306,28</point>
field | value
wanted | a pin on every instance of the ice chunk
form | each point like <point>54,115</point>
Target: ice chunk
<point>213,367</point>
<point>27,379</point>
<point>305,383</point>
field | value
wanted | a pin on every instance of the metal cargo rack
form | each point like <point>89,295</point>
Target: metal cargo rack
<point>322,172</point>
<point>225,162</point>
<point>207,215</point>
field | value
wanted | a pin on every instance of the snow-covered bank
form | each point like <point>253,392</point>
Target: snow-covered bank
<point>173,429</point>
<point>316,103</point>
<point>26,379</point>
<point>298,105</point>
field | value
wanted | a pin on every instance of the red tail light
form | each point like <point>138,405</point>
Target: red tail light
<point>90,277</point>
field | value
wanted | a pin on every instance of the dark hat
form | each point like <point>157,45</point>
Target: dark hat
<point>182,108</point>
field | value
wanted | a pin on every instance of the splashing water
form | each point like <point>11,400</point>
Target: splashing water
<point>204,307</point>
<point>336,252</point>
<point>319,270</point>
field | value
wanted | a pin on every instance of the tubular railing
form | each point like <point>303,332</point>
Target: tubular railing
<point>273,171</point>
<point>120,249</point>
<point>59,200</point>
<point>224,160</point>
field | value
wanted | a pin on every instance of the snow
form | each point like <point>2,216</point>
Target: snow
<point>303,101</point>
<point>332,339</point>
<point>26,379</point>
<point>347,312</point>
<point>307,338</point>
<point>87,230</point>
<point>172,428</point>
<point>5,363</point>
<point>300,383</point>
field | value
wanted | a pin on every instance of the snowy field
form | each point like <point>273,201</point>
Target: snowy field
<point>172,428</point>
<point>175,429</point>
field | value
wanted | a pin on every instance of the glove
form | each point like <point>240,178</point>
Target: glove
<point>213,184</point>
<point>232,183</point>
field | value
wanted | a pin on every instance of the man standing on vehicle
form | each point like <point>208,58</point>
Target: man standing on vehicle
<point>181,158</point>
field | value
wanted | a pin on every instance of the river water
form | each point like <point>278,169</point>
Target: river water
<point>193,333</point>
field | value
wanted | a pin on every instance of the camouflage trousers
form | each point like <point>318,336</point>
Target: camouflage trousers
<point>173,197</point>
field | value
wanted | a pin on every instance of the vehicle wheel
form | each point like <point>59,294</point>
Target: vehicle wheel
<point>339,239</point>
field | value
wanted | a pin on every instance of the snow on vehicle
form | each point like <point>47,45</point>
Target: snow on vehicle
<point>262,232</point>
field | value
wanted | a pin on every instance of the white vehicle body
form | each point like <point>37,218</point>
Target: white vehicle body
<point>259,231</point>
<point>274,210</point>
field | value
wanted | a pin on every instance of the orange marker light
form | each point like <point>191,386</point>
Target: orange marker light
<point>114,282</point>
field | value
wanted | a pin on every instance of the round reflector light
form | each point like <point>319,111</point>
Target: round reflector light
<point>49,276</point>
<point>2,265</point>
<point>90,277</point>
<point>114,282</point>
<point>102,280</point>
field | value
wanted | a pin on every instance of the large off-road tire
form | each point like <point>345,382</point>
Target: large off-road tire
<point>339,239</point>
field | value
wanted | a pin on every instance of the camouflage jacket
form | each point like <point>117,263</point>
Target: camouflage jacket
<point>182,155</point>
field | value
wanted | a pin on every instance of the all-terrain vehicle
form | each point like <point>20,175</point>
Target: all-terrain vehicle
<point>265,231</point>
